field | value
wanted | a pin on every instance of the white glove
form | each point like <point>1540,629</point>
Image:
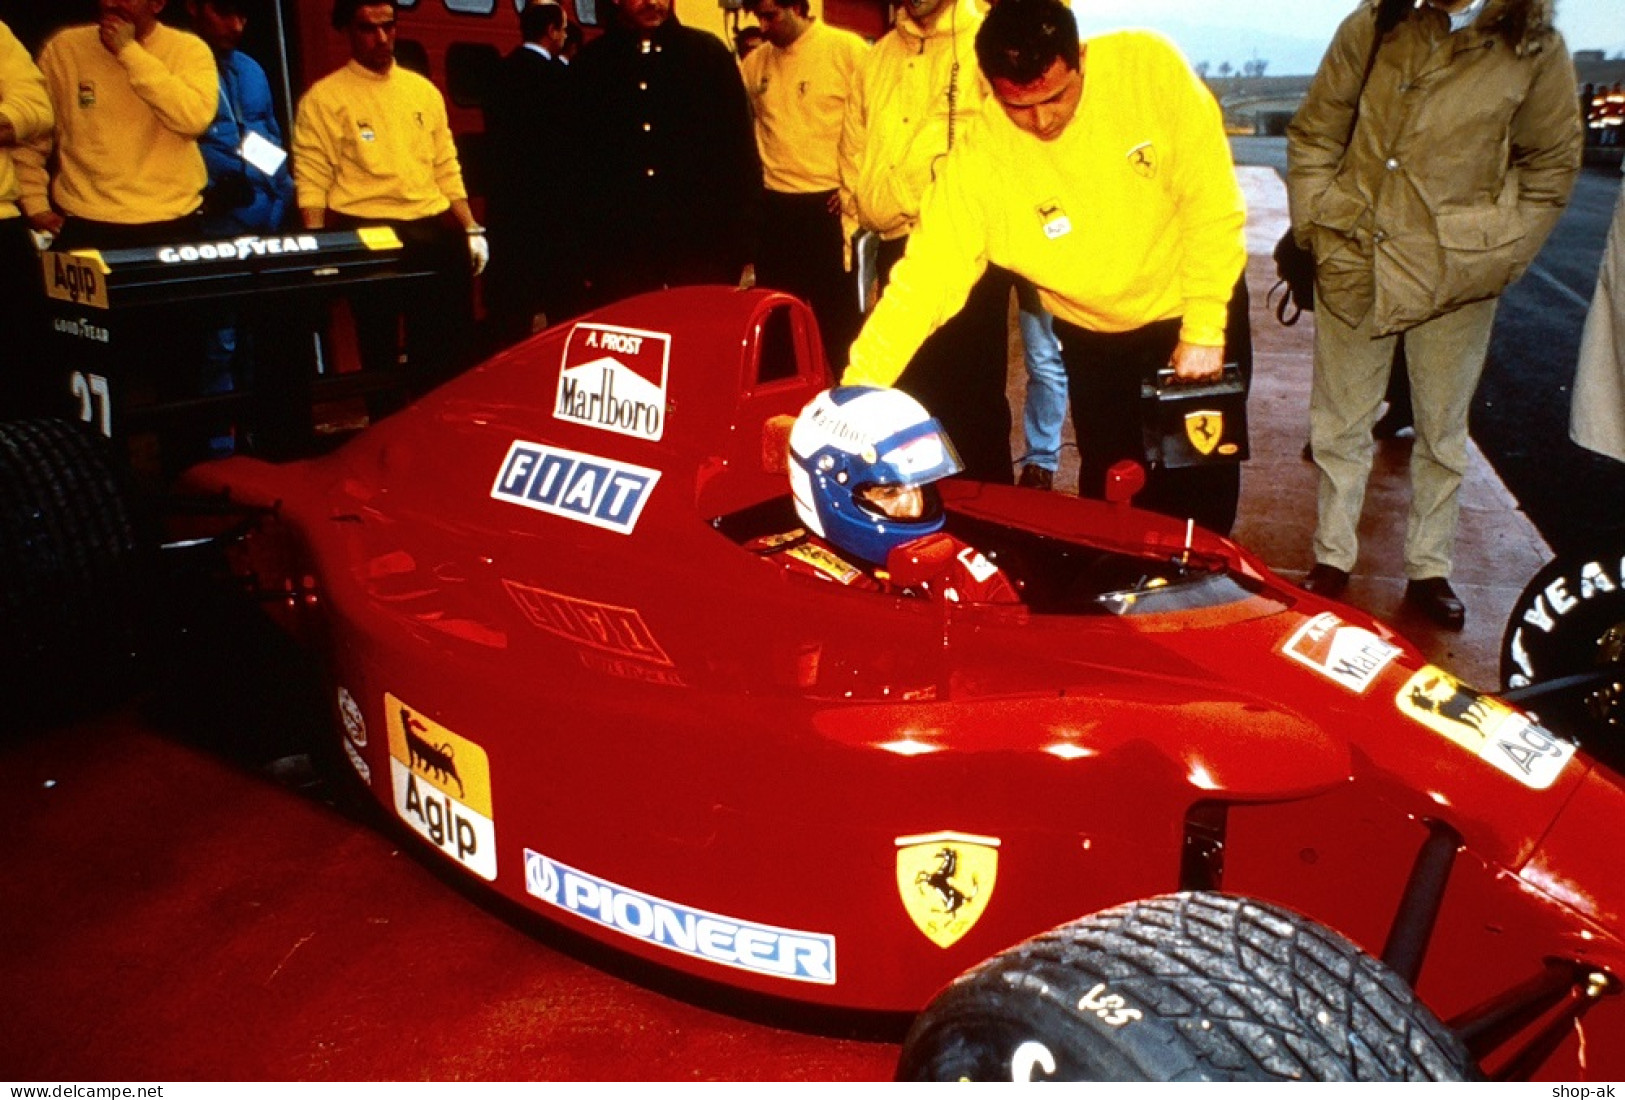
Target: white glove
<point>479,250</point>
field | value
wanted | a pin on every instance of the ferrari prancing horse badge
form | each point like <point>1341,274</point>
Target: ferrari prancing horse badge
<point>1204,429</point>
<point>946,880</point>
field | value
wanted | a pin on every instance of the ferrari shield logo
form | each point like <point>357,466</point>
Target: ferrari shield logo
<point>1204,429</point>
<point>946,881</point>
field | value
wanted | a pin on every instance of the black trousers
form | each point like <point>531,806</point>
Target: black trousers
<point>25,383</point>
<point>961,371</point>
<point>1104,371</point>
<point>801,254</point>
<point>436,314</point>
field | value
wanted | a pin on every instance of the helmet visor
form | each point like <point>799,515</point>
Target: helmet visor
<point>901,502</point>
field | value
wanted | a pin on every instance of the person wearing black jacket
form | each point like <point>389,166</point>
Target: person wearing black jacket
<point>669,180</point>
<point>527,121</point>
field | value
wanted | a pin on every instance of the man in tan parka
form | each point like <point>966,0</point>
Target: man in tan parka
<point>1422,198</point>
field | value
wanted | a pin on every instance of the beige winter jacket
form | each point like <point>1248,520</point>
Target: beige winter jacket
<point>1461,160</point>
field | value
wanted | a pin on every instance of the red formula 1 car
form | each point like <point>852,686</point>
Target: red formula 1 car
<point>1168,818</point>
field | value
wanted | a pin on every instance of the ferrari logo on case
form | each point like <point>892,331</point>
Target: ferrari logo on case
<point>946,881</point>
<point>1204,428</point>
<point>1486,727</point>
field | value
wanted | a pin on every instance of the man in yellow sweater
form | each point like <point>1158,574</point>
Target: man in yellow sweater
<point>915,96</point>
<point>131,97</point>
<point>798,83</point>
<point>372,146</point>
<point>25,118</point>
<point>1104,178</point>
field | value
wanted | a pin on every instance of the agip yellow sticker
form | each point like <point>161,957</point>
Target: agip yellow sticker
<point>1485,726</point>
<point>442,785</point>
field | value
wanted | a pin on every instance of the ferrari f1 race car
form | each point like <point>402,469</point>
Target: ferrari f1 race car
<point>1169,817</point>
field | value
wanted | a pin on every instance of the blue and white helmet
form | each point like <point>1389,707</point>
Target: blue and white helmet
<point>861,462</point>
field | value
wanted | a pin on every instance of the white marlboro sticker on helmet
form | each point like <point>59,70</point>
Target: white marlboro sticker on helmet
<point>1349,655</point>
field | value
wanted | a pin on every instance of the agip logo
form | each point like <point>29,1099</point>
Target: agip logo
<point>442,786</point>
<point>1485,726</point>
<point>614,379</point>
<point>945,881</point>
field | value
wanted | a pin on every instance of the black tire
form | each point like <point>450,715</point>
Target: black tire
<point>1183,987</point>
<point>1561,625</point>
<point>73,570</point>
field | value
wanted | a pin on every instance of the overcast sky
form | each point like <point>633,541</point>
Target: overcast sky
<point>1291,36</point>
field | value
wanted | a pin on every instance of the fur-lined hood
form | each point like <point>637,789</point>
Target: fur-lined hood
<point>1524,25</point>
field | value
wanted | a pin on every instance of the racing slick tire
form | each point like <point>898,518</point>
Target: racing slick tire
<point>1183,987</point>
<point>72,560</point>
<point>1569,619</point>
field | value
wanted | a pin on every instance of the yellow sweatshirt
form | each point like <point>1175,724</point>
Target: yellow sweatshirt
<point>896,129</point>
<point>374,146</point>
<point>126,127</point>
<point>1132,215</point>
<point>798,96</point>
<point>26,104</point>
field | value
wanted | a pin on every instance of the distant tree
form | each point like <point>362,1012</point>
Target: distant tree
<point>1202,67</point>
<point>1255,67</point>
<point>1225,69</point>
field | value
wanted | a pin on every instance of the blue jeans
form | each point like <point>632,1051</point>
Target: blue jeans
<point>1045,413</point>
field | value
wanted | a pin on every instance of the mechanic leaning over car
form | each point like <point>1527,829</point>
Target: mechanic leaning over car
<point>1431,158</point>
<point>372,146</point>
<point>863,463</point>
<point>1121,207</point>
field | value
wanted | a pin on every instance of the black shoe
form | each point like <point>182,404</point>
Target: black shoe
<point>1036,477</point>
<point>1325,580</point>
<point>1436,600</point>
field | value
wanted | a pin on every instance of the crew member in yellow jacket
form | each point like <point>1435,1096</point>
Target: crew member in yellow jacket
<point>372,146</point>
<point>1101,173</point>
<point>25,118</point>
<point>131,96</point>
<point>798,82</point>
<point>915,96</point>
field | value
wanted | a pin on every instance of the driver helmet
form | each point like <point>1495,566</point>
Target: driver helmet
<point>862,464</point>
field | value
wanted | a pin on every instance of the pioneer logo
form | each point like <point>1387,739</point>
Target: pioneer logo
<point>697,933</point>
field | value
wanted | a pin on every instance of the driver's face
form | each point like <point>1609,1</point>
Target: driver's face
<point>896,501</point>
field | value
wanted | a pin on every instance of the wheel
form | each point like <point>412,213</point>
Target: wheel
<point>1183,987</point>
<point>72,569</point>
<point>1570,619</point>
